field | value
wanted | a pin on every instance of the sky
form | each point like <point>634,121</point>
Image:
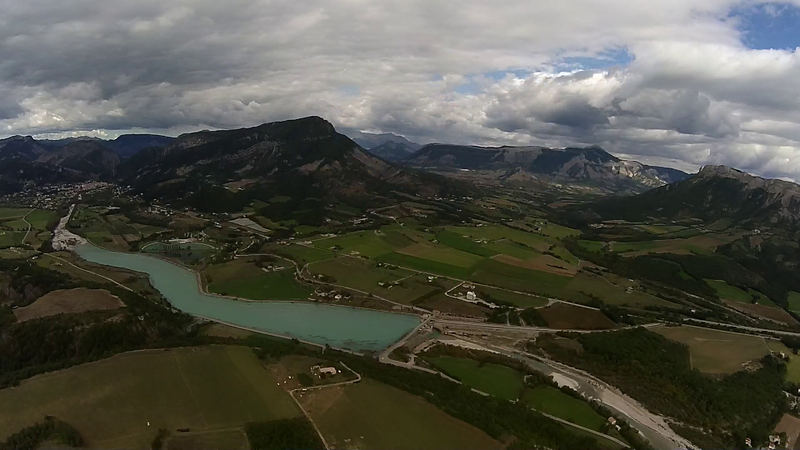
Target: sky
<point>681,83</point>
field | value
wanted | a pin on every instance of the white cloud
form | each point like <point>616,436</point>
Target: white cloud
<point>693,94</point>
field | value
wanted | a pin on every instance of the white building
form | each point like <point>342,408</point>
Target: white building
<point>471,296</point>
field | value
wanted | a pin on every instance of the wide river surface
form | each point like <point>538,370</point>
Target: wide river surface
<point>338,326</point>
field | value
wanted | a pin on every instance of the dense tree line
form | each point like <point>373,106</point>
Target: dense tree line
<point>32,437</point>
<point>284,434</point>
<point>687,272</point>
<point>776,260</point>
<point>657,372</point>
<point>54,342</point>
<point>24,282</point>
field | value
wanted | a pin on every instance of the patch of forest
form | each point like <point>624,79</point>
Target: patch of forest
<point>657,372</point>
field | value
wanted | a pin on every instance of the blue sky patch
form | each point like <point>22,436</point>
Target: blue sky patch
<point>769,26</point>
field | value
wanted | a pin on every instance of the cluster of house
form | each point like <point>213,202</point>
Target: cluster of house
<point>332,294</point>
<point>774,442</point>
<point>324,371</point>
<point>51,196</point>
<point>388,285</point>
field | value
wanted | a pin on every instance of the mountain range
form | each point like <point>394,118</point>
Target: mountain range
<point>716,192</point>
<point>302,158</point>
<point>590,165</point>
<point>308,158</point>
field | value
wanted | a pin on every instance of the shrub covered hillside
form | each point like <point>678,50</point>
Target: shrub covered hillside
<point>716,413</point>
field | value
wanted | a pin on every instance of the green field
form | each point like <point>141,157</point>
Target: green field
<point>592,246</point>
<point>794,301</point>
<point>365,243</point>
<point>371,415</point>
<point>11,238</point>
<point>614,293</point>
<point>501,233</point>
<point>242,278</point>
<point>521,300</point>
<point>570,317</point>
<point>622,247</point>
<point>458,242</point>
<point>7,213</point>
<point>41,218</point>
<point>728,292</point>
<point>111,401</point>
<point>512,249</point>
<point>495,273</point>
<point>500,381</point>
<point>552,401</point>
<point>364,275</point>
<point>441,254</point>
<point>716,352</point>
<point>426,265</point>
<point>302,254</point>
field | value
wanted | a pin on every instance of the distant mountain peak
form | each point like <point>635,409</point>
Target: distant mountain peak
<point>592,165</point>
<point>716,192</point>
<point>304,157</point>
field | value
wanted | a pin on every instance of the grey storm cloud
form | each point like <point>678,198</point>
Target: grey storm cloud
<point>432,70</point>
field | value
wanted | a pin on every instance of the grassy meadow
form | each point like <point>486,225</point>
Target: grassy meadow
<point>111,401</point>
<point>373,415</point>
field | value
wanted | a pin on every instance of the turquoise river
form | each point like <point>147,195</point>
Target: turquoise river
<point>337,326</point>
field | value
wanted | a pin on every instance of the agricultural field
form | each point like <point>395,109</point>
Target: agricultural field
<point>8,213</point>
<point>11,238</point>
<point>552,401</point>
<point>504,234</point>
<point>16,253</point>
<point>543,263</point>
<point>703,244</point>
<point>716,352</point>
<point>794,301</point>
<point>201,388</point>
<point>365,243</point>
<point>728,292</point>
<point>592,246</point>
<point>511,249</point>
<point>235,439</point>
<point>519,300</point>
<point>243,278</point>
<point>69,301</point>
<point>441,254</point>
<point>495,273</point>
<point>766,312</point>
<point>458,242</point>
<point>449,305</point>
<point>369,414</point>
<point>660,229</point>
<point>302,254</point>
<point>365,275</point>
<point>426,265</point>
<point>496,380</point>
<point>614,290</point>
<point>566,316</point>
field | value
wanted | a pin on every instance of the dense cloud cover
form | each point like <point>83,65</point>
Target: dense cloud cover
<point>677,82</point>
